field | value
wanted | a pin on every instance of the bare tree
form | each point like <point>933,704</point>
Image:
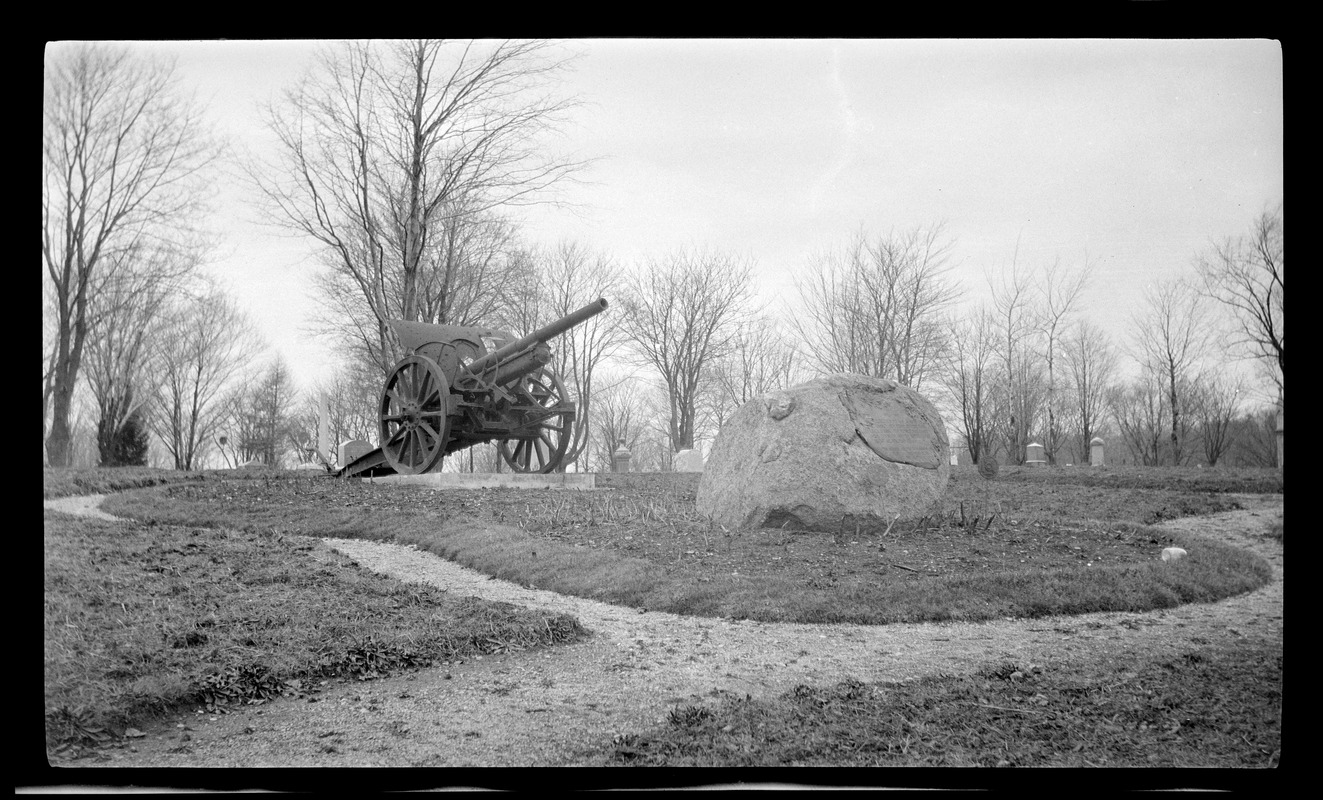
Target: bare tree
<point>1253,438</point>
<point>1142,416</point>
<point>301,432</point>
<point>835,337</point>
<point>395,155</point>
<point>469,279</point>
<point>681,313</point>
<point>1091,363</point>
<point>351,396</point>
<point>760,360</point>
<point>1018,399</point>
<point>625,414</point>
<point>260,415</point>
<point>484,457</point>
<point>970,378</point>
<point>122,359</point>
<point>1216,404</point>
<point>563,280</point>
<point>1171,338</point>
<point>1059,294</point>
<point>83,450</point>
<point>1247,274</point>
<point>124,161</point>
<point>1019,392</point>
<point>203,346</point>
<point>875,308</point>
<point>117,361</point>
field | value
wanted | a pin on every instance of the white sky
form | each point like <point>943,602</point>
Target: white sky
<point>1132,153</point>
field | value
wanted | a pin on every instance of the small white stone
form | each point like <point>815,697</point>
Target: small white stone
<point>1173,554</point>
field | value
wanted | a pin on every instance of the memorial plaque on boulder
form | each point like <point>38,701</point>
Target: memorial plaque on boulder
<point>841,450</point>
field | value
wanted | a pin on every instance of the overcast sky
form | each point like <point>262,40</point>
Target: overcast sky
<point>1133,154</point>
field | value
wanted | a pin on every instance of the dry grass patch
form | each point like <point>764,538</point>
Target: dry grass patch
<point>141,619</point>
<point>1218,705</point>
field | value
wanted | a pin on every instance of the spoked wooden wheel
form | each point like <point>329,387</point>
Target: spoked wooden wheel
<point>542,446</point>
<point>414,425</point>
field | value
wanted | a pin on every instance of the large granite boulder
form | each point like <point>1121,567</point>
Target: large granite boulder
<point>840,451</point>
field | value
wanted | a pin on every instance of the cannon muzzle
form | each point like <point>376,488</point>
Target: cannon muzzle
<point>539,336</point>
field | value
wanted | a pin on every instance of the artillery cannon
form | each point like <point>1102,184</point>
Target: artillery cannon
<point>464,385</point>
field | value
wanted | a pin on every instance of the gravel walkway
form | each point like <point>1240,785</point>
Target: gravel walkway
<point>545,707</point>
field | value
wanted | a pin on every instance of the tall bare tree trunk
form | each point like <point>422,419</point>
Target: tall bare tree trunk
<point>123,162</point>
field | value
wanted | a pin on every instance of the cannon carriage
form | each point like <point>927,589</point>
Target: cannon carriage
<point>463,385</point>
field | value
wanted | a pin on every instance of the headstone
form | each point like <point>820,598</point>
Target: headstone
<point>836,450</point>
<point>1173,554</point>
<point>1033,455</point>
<point>688,461</point>
<point>620,458</point>
<point>955,459</point>
<point>1096,453</point>
<point>988,466</point>
<point>353,450</point>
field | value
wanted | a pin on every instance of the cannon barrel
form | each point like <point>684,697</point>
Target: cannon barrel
<point>539,336</point>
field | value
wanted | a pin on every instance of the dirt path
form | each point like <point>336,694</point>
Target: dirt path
<point>543,708</point>
<point>85,506</point>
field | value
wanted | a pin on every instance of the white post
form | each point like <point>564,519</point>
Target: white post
<point>323,439</point>
<point>1281,430</point>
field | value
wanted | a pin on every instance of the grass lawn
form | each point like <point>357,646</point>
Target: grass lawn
<point>1147,712</point>
<point>143,619</point>
<point>1028,544</point>
<point>215,596</point>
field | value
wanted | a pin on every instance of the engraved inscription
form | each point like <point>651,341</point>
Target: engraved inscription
<point>894,429</point>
